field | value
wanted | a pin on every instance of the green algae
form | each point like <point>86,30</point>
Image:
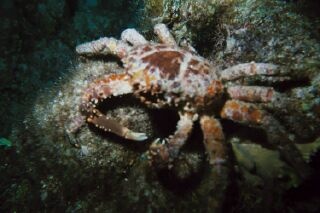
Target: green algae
<point>263,162</point>
<point>5,143</point>
<point>308,150</point>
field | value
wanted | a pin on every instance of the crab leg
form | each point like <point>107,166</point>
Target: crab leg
<point>249,69</point>
<point>217,154</point>
<point>110,125</point>
<point>164,34</point>
<point>103,46</point>
<point>163,154</point>
<point>242,112</point>
<point>133,37</point>
<point>213,141</point>
<point>251,93</point>
<point>110,85</point>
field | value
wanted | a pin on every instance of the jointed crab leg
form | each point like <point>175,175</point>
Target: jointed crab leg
<point>251,115</point>
<point>103,46</point>
<point>214,141</point>
<point>133,37</point>
<point>164,34</point>
<point>110,125</point>
<point>162,154</point>
<point>165,37</point>
<point>242,112</point>
<point>249,69</point>
<point>217,153</point>
<point>111,85</point>
<point>251,93</point>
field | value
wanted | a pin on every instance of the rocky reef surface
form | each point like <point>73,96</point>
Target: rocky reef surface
<point>43,169</point>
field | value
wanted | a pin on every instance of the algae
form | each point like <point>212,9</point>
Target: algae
<point>5,143</point>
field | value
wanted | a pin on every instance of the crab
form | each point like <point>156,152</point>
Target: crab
<point>166,75</point>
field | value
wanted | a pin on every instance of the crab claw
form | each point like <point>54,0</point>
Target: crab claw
<point>159,154</point>
<point>136,136</point>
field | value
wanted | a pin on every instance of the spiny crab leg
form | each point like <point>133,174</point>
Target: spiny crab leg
<point>164,34</point>
<point>133,37</point>
<point>107,87</point>
<point>163,154</point>
<point>110,125</point>
<point>214,141</point>
<point>251,93</point>
<point>165,37</point>
<point>103,46</point>
<point>249,69</point>
<point>216,148</point>
<point>249,114</point>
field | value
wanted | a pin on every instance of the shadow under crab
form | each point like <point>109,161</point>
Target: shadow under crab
<point>168,76</point>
